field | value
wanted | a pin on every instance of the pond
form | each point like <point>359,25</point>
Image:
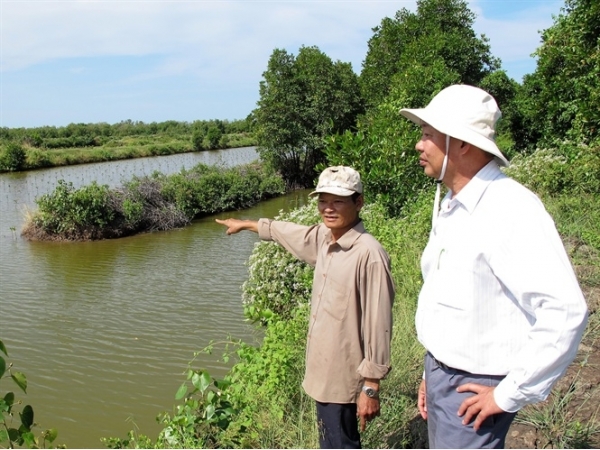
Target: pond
<point>104,330</point>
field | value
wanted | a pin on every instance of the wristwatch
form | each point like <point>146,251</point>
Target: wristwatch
<point>371,393</point>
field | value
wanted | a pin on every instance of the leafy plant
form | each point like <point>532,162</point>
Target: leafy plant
<point>198,140</point>
<point>205,411</point>
<point>20,434</point>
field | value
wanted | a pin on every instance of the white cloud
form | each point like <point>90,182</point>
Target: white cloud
<point>200,31</point>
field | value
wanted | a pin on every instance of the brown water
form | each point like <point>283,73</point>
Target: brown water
<point>104,330</point>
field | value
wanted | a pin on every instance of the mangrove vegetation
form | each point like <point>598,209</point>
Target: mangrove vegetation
<point>152,203</point>
<point>79,143</point>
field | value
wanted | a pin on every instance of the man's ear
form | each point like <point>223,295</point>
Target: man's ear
<point>464,147</point>
<point>360,201</point>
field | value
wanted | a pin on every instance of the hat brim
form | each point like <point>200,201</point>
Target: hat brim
<point>460,132</point>
<point>333,190</point>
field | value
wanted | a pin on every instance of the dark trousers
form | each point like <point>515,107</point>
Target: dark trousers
<point>444,425</point>
<point>338,425</point>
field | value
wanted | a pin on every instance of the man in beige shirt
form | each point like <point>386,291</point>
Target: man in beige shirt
<point>349,332</point>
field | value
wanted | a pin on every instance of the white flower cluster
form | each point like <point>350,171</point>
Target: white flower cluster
<point>278,282</point>
<point>539,170</point>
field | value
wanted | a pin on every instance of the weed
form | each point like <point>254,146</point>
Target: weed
<point>557,420</point>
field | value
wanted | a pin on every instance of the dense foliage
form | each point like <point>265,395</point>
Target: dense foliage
<point>13,157</point>
<point>410,59</point>
<point>439,32</point>
<point>560,99</point>
<point>157,202</point>
<point>303,99</point>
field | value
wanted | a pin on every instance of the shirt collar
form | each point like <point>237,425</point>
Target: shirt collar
<point>349,237</point>
<point>470,195</point>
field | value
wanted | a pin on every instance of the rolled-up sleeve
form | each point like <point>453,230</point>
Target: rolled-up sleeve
<point>377,296</point>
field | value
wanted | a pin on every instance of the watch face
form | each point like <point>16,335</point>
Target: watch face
<point>370,392</point>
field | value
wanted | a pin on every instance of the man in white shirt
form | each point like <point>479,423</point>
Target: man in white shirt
<point>500,312</point>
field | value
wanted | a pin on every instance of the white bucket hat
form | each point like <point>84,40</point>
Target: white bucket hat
<point>339,180</point>
<point>464,112</point>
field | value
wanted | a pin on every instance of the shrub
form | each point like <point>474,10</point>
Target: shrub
<point>567,168</point>
<point>212,138</point>
<point>277,282</point>
<point>74,213</point>
<point>198,140</point>
<point>13,158</point>
<point>151,203</point>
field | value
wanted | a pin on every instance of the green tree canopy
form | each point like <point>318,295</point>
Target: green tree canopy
<point>410,59</point>
<point>561,98</point>
<point>439,30</point>
<point>303,99</point>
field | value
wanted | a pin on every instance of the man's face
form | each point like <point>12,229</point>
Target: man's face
<point>339,213</point>
<point>432,149</point>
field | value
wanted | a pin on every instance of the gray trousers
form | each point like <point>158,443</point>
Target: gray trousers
<point>444,426</point>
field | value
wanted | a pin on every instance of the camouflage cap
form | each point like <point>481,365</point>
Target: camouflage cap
<point>339,180</point>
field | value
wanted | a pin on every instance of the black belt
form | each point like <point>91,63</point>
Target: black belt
<point>441,365</point>
<point>447,368</point>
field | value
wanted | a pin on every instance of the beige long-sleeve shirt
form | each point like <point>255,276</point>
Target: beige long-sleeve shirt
<point>350,323</point>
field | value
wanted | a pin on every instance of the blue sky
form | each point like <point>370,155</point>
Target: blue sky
<point>92,61</point>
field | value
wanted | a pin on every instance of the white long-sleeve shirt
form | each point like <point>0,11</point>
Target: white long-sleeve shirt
<point>500,296</point>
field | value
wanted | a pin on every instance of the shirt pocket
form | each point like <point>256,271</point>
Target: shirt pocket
<point>455,281</point>
<point>336,299</point>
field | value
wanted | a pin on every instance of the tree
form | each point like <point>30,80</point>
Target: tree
<point>410,59</point>
<point>439,30</point>
<point>563,93</point>
<point>505,90</point>
<point>213,136</point>
<point>303,99</point>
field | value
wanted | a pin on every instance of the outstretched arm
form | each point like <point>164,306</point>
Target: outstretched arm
<point>237,225</point>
